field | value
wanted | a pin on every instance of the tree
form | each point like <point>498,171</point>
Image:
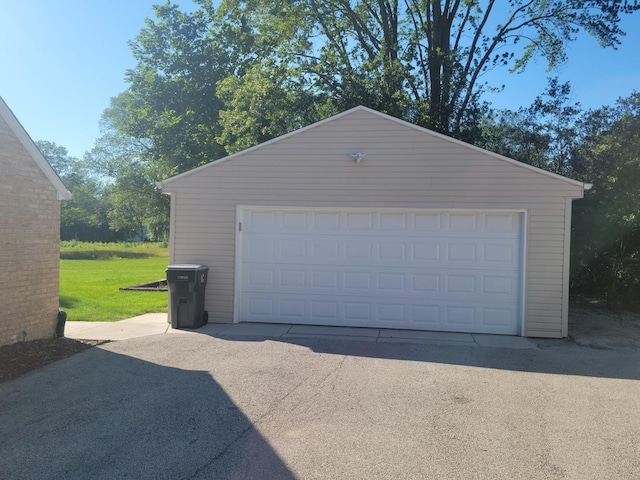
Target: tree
<point>601,147</point>
<point>171,106</point>
<point>606,227</point>
<point>57,156</point>
<point>213,81</point>
<point>423,60</point>
<point>137,208</point>
<point>84,216</point>
<point>544,134</point>
<point>166,122</point>
<point>261,105</point>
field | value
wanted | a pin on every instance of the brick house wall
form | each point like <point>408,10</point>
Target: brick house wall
<point>29,244</point>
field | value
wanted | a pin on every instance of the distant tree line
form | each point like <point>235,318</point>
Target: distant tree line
<point>216,81</point>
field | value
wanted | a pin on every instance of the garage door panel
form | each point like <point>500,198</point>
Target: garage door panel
<point>460,316</point>
<point>383,223</point>
<point>425,315</point>
<point>293,248</point>
<point>463,222</point>
<point>378,251</point>
<point>294,220</point>
<point>504,254</point>
<point>324,250</point>
<point>501,223</point>
<point>457,284</point>
<point>453,271</point>
<point>461,253</point>
<point>499,285</point>
<point>423,283</point>
<point>499,318</point>
<point>383,281</point>
<point>465,316</point>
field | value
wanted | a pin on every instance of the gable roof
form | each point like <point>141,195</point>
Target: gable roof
<point>585,186</point>
<point>26,141</point>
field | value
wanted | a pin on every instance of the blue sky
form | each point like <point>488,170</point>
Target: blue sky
<point>63,60</point>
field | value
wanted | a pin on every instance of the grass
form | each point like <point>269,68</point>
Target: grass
<point>92,273</point>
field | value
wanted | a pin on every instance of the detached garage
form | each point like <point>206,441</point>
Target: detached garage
<point>366,220</point>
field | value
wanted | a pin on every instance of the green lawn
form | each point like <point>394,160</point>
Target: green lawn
<point>92,273</point>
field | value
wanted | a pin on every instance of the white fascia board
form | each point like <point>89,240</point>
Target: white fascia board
<point>31,148</point>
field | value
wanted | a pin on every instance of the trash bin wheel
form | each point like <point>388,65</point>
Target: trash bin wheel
<point>205,318</point>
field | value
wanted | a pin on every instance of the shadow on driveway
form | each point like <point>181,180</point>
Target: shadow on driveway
<point>103,415</point>
<point>560,357</point>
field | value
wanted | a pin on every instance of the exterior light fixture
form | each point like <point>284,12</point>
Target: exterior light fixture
<point>358,156</point>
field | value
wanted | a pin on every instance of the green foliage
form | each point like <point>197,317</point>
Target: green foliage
<point>543,134</point>
<point>167,122</point>
<point>214,82</point>
<point>85,215</point>
<point>217,81</point>
<point>171,104</point>
<point>421,61</point>
<point>58,157</point>
<point>601,147</point>
<point>606,227</point>
<point>261,105</point>
<point>91,275</point>
<point>138,207</point>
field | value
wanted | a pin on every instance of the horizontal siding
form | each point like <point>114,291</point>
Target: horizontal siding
<point>403,168</point>
<point>542,271</point>
<point>336,177</point>
<point>543,302</point>
<point>544,308</point>
<point>479,173</point>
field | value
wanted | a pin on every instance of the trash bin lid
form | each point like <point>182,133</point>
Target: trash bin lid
<point>187,267</point>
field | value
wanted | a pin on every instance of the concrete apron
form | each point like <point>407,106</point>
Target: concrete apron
<point>156,324</point>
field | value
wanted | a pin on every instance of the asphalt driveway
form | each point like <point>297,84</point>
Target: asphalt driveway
<point>196,406</point>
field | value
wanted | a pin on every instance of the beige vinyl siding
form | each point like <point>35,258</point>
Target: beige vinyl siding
<point>404,167</point>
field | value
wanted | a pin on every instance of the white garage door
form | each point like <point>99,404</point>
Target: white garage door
<point>413,269</point>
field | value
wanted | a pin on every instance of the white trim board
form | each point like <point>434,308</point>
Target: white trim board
<point>29,145</point>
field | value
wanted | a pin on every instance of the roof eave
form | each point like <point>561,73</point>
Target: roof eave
<point>31,148</point>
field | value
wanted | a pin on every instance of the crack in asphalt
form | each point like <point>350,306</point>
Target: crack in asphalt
<point>252,424</point>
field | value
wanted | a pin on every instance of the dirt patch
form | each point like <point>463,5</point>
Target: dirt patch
<point>22,357</point>
<point>601,328</point>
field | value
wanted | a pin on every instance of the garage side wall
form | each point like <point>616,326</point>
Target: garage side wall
<point>403,168</point>
<point>29,245</point>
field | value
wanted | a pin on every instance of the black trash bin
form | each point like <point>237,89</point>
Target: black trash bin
<point>186,295</point>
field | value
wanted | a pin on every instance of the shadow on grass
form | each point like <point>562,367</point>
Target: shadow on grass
<point>108,415</point>
<point>101,255</point>
<point>68,302</point>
